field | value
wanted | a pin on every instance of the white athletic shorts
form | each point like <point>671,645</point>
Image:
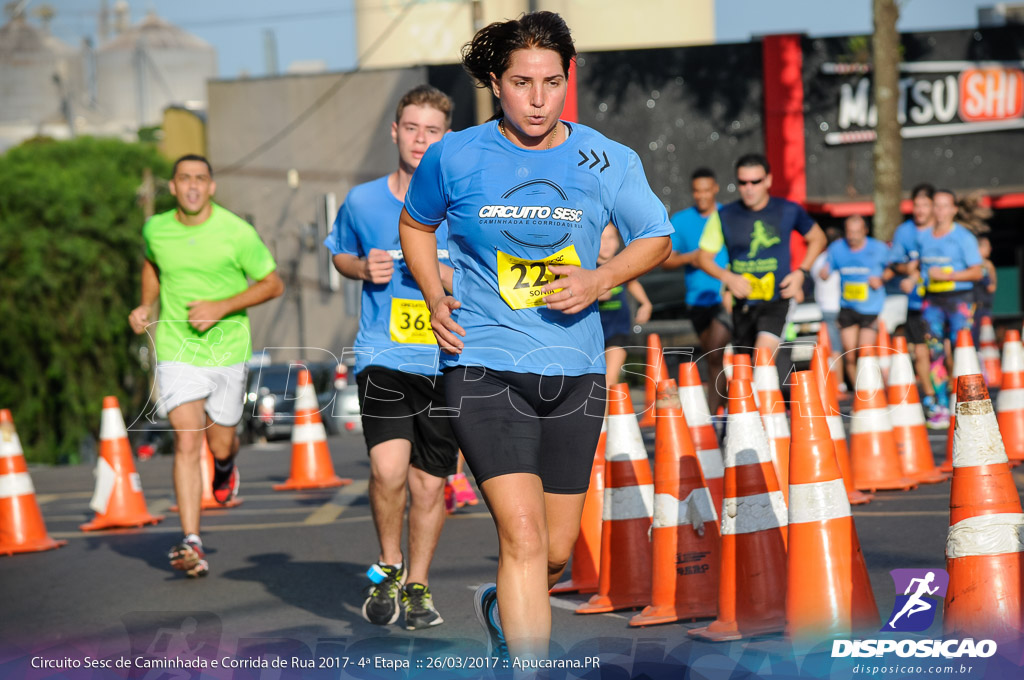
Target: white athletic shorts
<point>222,387</point>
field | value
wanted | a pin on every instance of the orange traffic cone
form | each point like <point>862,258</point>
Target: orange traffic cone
<point>823,339</point>
<point>827,584</point>
<point>742,370</point>
<point>698,417</point>
<point>311,460</point>
<point>989,354</point>
<point>984,547</point>
<point>727,360</point>
<point>773,414</point>
<point>117,499</point>
<point>907,415</point>
<point>824,379</point>
<point>586,556</point>
<point>656,371</point>
<point>1010,401</point>
<point>625,580</point>
<point>21,523</point>
<point>884,343</point>
<point>876,464</point>
<point>752,582</point>
<point>685,533</point>
<point>965,362</point>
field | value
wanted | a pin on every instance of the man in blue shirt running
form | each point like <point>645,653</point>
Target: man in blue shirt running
<point>903,261</point>
<point>409,444</point>
<point>704,304</point>
<point>860,261</point>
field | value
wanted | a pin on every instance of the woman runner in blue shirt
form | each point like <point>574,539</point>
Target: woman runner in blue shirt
<point>521,340</point>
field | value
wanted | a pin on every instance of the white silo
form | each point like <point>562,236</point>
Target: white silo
<point>40,76</point>
<point>150,66</point>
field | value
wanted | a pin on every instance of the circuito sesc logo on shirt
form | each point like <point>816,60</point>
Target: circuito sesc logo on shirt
<point>530,211</point>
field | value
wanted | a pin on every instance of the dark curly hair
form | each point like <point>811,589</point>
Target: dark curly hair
<point>491,49</point>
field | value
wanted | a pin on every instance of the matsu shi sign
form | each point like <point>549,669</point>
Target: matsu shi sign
<point>936,98</point>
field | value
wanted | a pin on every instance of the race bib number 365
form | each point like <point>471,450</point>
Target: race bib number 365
<point>520,281</point>
<point>410,322</point>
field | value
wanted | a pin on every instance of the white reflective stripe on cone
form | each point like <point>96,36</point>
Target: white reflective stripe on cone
<point>748,514</point>
<point>624,441</point>
<point>906,415</point>
<point>988,353</point>
<point>105,478</point>
<point>112,424</point>
<point>870,420</point>
<point>745,441</point>
<point>1013,357</point>
<point>818,501</point>
<point>766,379</point>
<point>697,509</point>
<point>965,362</point>
<point>16,484</point>
<point>711,463</point>
<point>305,399</point>
<point>976,440</point>
<point>1010,400</point>
<point>998,534</point>
<point>835,427</point>
<point>776,426</point>
<point>309,432</point>
<point>695,405</point>
<point>10,446</point>
<point>902,371</point>
<point>629,502</point>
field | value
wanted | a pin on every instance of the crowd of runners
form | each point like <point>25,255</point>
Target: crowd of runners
<point>496,273</point>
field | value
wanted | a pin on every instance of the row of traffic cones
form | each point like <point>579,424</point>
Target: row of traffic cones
<point>118,499</point>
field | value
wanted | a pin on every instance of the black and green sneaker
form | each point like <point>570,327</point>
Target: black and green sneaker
<point>419,607</point>
<point>381,605</point>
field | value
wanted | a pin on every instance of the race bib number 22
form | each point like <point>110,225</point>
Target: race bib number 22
<point>520,281</point>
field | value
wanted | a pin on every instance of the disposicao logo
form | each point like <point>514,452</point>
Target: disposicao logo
<point>918,592</point>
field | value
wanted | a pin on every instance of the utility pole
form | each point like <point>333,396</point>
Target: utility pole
<point>888,152</point>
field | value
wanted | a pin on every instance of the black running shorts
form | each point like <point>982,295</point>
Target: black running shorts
<point>851,317</point>
<point>748,320</point>
<point>510,422</point>
<point>399,405</point>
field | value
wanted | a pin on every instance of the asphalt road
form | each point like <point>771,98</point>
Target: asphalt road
<point>287,575</point>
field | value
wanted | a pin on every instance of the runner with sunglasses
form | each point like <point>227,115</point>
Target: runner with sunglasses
<point>755,231</point>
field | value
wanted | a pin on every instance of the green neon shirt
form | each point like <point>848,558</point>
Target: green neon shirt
<point>208,261</point>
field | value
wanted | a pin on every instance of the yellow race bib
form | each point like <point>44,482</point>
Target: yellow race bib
<point>761,288</point>
<point>520,281</point>
<point>942,286</point>
<point>855,292</point>
<point>410,322</point>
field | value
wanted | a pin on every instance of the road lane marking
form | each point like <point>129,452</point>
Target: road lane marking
<point>340,501</point>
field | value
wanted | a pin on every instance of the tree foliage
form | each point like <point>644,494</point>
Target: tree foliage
<point>70,256</point>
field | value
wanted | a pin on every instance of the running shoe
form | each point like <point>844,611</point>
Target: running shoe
<point>382,599</point>
<point>464,494</point>
<point>419,607</point>
<point>225,484</point>
<point>189,557</point>
<point>938,419</point>
<point>450,506</point>
<point>485,604</point>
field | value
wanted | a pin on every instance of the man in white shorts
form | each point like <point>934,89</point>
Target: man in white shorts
<point>199,259</point>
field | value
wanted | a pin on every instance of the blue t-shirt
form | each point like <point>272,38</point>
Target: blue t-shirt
<point>615,316</point>
<point>954,252</point>
<point>757,242</point>
<point>510,213</point>
<point>855,267</point>
<point>904,249</point>
<point>702,289</point>
<point>394,325</point>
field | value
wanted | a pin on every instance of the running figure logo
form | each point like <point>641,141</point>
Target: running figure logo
<point>761,238</point>
<point>921,590</point>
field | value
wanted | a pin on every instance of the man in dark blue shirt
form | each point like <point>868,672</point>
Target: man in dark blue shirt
<point>755,231</point>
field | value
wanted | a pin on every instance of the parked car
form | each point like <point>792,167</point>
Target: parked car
<point>269,409</point>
